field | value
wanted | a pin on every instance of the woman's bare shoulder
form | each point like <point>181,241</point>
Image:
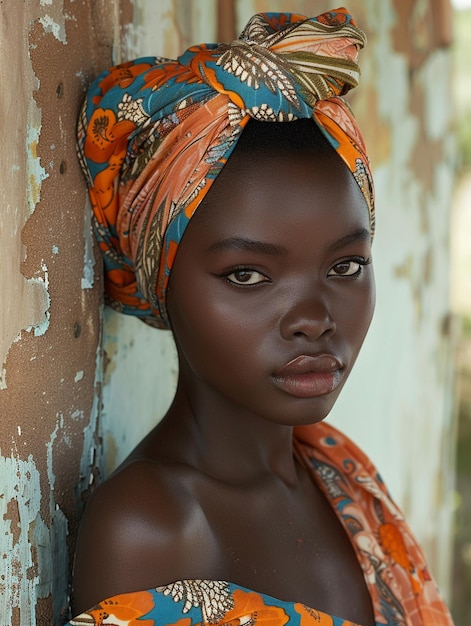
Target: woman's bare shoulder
<point>138,530</point>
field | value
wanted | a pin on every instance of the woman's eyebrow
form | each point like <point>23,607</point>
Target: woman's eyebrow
<point>362,234</point>
<point>249,245</point>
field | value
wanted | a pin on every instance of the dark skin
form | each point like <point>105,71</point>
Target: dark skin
<point>263,275</point>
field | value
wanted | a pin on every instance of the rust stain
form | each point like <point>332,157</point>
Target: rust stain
<point>413,34</point>
<point>426,152</point>
<point>226,20</point>
<point>12,516</point>
<point>16,616</point>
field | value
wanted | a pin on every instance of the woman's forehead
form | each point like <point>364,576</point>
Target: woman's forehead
<point>281,197</point>
<point>281,164</point>
<point>270,154</point>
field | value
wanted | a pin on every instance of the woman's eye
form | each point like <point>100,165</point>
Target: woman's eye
<point>245,277</point>
<point>349,267</point>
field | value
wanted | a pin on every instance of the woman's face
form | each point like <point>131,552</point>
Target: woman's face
<point>272,289</point>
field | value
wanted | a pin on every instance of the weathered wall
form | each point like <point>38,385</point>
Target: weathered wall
<point>49,313</point>
<point>400,398</point>
<point>52,436</point>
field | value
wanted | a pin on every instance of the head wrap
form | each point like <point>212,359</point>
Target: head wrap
<point>154,134</point>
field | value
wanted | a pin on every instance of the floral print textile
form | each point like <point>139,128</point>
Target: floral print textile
<point>403,593</point>
<point>154,134</point>
<point>198,602</point>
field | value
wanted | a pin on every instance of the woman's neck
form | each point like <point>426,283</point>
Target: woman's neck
<point>227,441</point>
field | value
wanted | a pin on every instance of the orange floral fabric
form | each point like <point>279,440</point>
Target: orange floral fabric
<point>154,134</point>
<point>402,589</point>
<point>127,608</point>
<point>198,602</point>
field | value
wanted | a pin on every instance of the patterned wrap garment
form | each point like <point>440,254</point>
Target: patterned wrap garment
<point>154,134</point>
<point>402,590</point>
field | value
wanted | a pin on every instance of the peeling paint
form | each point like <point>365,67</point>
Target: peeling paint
<point>35,172</point>
<point>436,110</point>
<point>18,575</point>
<point>49,325</point>
<point>41,327</point>
<point>50,26</point>
<point>91,462</point>
<point>77,414</point>
<point>88,277</point>
<point>28,299</point>
<point>54,19</point>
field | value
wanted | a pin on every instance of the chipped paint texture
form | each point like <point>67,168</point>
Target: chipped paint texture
<point>405,416</point>
<point>18,510</point>
<point>27,306</point>
<point>55,439</point>
<point>49,320</point>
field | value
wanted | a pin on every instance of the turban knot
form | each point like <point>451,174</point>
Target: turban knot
<point>154,133</point>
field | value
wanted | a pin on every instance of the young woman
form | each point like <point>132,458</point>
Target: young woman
<point>233,203</point>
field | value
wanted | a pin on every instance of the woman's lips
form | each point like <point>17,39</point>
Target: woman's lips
<point>309,376</point>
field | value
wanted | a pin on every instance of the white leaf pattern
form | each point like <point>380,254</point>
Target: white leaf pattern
<point>254,64</point>
<point>212,596</point>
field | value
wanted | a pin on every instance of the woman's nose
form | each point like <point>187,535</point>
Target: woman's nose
<point>307,316</point>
